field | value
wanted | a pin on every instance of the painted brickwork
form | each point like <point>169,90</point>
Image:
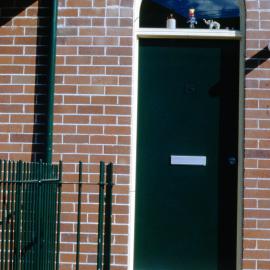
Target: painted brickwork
<point>93,111</point>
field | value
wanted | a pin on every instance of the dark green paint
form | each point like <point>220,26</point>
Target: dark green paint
<point>108,218</point>
<point>29,215</point>
<point>100,215</point>
<point>59,207</point>
<point>30,206</point>
<point>51,79</point>
<point>188,105</point>
<point>3,214</point>
<point>79,217</point>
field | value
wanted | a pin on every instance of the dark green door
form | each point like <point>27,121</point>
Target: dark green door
<point>188,109</point>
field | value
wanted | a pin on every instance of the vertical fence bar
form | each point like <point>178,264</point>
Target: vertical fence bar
<point>59,214</point>
<point>1,203</point>
<point>50,215</point>
<point>27,191</point>
<point>108,217</point>
<point>8,215</point>
<point>54,228</point>
<point>18,216</point>
<point>79,217</point>
<point>30,210</point>
<point>35,216</point>
<point>3,215</point>
<point>45,225</point>
<point>39,209</point>
<point>11,257</point>
<point>32,217</point>
<point>24,232</point>
<point>100,216</point>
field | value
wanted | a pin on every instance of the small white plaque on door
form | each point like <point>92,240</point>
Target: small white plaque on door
<point>188,160</point>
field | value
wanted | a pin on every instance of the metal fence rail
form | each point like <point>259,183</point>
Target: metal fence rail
<point>28,212</point>
<point>104,215</point>
<point>30,215</point>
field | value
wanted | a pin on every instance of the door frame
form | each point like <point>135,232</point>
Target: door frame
<point>140,33</point>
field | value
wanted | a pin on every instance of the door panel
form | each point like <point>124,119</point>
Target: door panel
<point>188,105</point>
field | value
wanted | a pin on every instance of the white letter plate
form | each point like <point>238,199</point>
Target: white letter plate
<point>188,160</point>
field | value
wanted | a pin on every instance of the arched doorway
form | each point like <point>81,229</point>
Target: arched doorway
<point>188,139</point>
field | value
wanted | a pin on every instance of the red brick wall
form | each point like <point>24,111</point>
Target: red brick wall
<point>93,108</point>
<point>21,89</point>
<point>93,111</point>
<point>257,139</point>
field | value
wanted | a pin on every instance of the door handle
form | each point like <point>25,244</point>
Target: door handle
<point>232,160</point>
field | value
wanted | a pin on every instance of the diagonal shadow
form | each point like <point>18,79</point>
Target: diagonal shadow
<point>41,83</point>
<point>257,59</point>
<point>9,9</point>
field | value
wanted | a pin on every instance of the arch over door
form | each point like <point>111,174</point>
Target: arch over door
<point>153,13</point>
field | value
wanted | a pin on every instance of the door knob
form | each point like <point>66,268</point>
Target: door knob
<point>232,160</point>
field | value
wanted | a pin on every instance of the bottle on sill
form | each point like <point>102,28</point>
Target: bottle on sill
<point>171,22</point>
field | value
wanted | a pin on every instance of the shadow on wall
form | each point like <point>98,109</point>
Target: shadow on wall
<point>257,59</point>
<point>9,9</point>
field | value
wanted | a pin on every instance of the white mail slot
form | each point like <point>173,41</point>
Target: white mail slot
<point>188,160</point>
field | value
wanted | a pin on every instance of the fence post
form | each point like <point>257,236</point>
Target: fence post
<point>3,213</point>
<point>13,176</point>
<point>108,218</point>
<point>55,172</point>
<point>79,217</point>
<point>39,209</point>
<point>59,213</point>
<point>17,244</point>
<point>7,211</point>
<point>100,216</point>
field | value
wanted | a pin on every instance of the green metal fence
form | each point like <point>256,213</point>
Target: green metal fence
<point>29,193</point>
<point>30,213</point>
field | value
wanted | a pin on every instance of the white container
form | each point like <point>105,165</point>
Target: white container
<point>171,22</point>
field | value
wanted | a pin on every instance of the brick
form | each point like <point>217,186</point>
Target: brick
<point>119,51</point>
<point>20,138</point>
<point>88,89</point>
<point>11,50</point>
<point>76,119</point>
<point>105,60</point>
<point>91,70</point>
<point>103,120</point>
<point>119,130</point>
<point>80,60</point>
<point>91,51</point>
<point>90,109</point>
<point>103,139</point>
<point>117,110</point>
<point>77,79</point>
<point>104,80</point>
<point>118,70</point>
<point>98,31</point>
<point>92,12</point>
<point>89,129</point>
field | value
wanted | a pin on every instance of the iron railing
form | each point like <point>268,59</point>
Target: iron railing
<point>30,215</point>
